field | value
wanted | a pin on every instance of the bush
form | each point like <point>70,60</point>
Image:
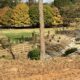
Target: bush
<point>4,41</point>
<point>69,51</point>
<point>34,54</point>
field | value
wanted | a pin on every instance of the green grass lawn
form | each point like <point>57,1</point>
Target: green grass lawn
<point>15,34</point>
<point>29,31</point>
<point>21,32</point>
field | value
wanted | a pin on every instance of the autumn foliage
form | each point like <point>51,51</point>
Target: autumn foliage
<point>2,13</point>
<point>22,15</point>
<point>17,17</point>
<point>51,15</point>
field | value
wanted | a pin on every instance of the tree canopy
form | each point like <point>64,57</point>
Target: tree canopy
<point>51,15</point>
<point>62,3</point>
<point>18,16</point>
<point>10,3</point>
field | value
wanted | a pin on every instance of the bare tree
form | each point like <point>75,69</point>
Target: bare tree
<point>42,40</point>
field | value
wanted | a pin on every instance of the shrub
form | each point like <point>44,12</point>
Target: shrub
<point>34,54</point>
<point>69,51</point>
<point>4,41</point>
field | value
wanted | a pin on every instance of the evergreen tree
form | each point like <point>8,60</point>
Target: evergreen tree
<point>51,15</point>
<point>10,3</point>
<point>62,3</point>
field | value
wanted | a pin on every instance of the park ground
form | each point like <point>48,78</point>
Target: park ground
<point>57,68</point>
<point>53,69</point>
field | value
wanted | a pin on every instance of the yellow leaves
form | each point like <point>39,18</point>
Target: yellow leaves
<point>57,17</point>
<point>20,15</point>
<point>22,7</point>
<point>17,16</point>
<point>3,11</point>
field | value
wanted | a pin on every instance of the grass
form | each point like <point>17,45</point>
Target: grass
<point>15,34</point>
<point>28,31</point>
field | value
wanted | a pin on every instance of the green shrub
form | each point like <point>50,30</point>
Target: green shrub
<point>69,51</point>
<point>4,41</point>
<point>34,54</point>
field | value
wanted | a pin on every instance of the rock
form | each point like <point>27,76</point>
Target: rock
<point>54,50</point>
<point>53,53</point>
<point>74,54</point>
<point>47,57</point>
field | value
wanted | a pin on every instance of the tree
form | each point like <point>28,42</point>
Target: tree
<point>20,16</point>
<point>71,13</point>
<point>5,16</point>
<point>69,10</point>
<point>42,40</point>
<point>34,14</point>
<point>51,15</point>
<point>31,2</point>
<point>10,3</point>
<point>62,3</point>
<point>75,1</point>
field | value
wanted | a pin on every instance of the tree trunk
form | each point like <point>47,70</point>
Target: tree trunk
<point>11,52</point>
<point>42,40</point>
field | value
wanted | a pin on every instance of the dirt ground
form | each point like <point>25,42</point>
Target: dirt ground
<point>52,69</point>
